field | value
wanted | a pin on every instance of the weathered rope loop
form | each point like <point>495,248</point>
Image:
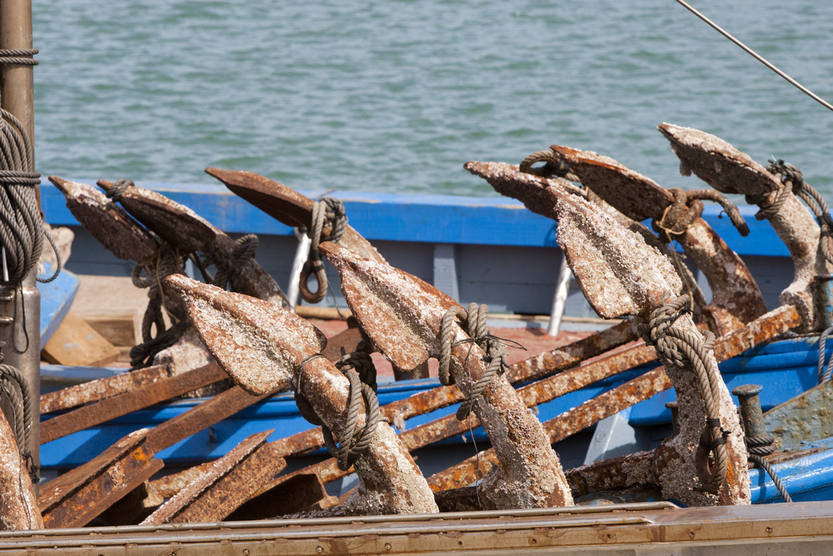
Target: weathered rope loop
<point>149,274</point>
<point>454,313</point>
<point>326,211</point>
<point>59,264</point>
<point>554,165</point>
<point>678,216</point>
<point>792,179</point>
<point>688,350</point>
<point>362,363</point>
<point>21,224</point>
<point>230,266</point>
<point>19,56</point>
<point>758,447</point>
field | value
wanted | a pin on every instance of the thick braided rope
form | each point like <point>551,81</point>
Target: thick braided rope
<point>327,210</point>
<point>21,226</point>
<point>687,206</point>
<point>792,179</point>
<point>474,320</point>
<point>759,447</point>
<point>687,350</point>
<point>18,56</point>
<point>824,374</point>
<point>352,443</point>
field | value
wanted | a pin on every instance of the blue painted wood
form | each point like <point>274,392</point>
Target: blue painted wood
<point>56,298</point>
<point>415,218</point>
<point>806,478</point>
<point>789,370</point>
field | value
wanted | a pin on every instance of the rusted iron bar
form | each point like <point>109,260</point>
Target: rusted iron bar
<point>729,170</point>
<point>260,344</point>
<point>205,498</point>
<point>182,227</point>
<point>303,492</point>
<point>18,501</point>
<point>100,389</point>
<point>78,496</point>
<point>127,402</point>
<point>761,330</point>
<point>402,315</point>
<point>631,470</point>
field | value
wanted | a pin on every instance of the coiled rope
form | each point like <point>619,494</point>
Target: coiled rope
<point>352,441</point>
<point>758,447</point>
<point>473,321</point>
<point>228,267</point>
<point>19,56</point>
<point>688,350</point>
<point>331,212</point>
<point>792,179</point>
<point>15,387</point>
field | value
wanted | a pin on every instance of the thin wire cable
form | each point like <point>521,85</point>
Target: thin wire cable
<point>757,56</point>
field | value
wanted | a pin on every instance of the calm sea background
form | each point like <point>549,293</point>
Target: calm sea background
<point>395,96</point>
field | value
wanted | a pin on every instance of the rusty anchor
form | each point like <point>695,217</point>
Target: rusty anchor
<point>736,298</point>
<point>621,274</point>
<point>263,346</point>
<point>294,209</point>
<point>18,502</point>
<point>186,230</point>
<point>402,315</point>
<point>729,170</point>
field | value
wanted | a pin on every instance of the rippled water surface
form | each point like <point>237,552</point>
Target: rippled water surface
<point>395,96</point>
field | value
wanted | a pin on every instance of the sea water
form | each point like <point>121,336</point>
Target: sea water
<point>394,96</point>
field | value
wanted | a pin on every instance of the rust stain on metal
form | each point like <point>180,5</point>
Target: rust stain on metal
<point>401,314</point>
<point>107,222</point>
<point>78,496</point>
<point>18,502</point>
<point>286,205</point>
<point>301,492</point>
<point>95,390</point>
<point>631,470</point>
<point>127,402</point>
<point>729,170</point>
<point>204,499</point>
<point>262,345</point>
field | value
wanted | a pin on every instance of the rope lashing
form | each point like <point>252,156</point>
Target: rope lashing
<point>758,447</point>
<point>351,442</point>
<point>473,321</point>
<point>792,179</point>
<point>554,165</point>
<point>118,189</point>
<point>687,206</point>
<point>824,375</point>
<point>229,267</point>
<point>21,225</point>
<point>18,56</point>
<point>149,274</point>
<point>688,350</point>
<point>330,212</point>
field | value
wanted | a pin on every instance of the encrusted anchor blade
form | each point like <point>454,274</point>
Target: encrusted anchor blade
<point>264,347</point>
<point>286,205</point>
<point>402,315</point>
<point>107,222</point>
<point>736,297</point>
<point>184,229</point>
<point>621,274</point>
<point>731,171</point>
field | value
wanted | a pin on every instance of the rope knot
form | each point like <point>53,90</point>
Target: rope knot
<point>473,321</point>
<point>115,193</point>
<point>231,265</point>
<point>329,212</point>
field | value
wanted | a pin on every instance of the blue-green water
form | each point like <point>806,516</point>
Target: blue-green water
<point>395,96</point>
